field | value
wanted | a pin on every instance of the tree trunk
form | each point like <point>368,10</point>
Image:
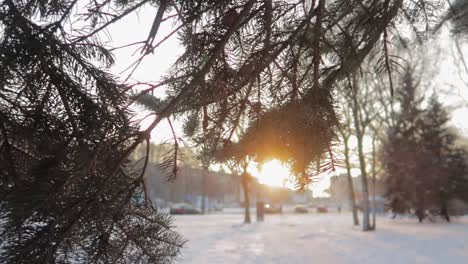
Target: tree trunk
<point>205,162</point>
<point>245,186</point>
<point>420,214</point>
<point>352,196</point>
<point>203,205</point>
<point>145,191</point>
<point>444,212</point>
<point>420,209</point>
<point>362,163</point>
<point>374,205</point>
<point>365,188</point>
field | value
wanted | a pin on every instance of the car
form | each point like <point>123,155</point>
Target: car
<point>217,208</point>
<point>300,209</point>
<point>183,208</point>
<point>322,209</point>
<point>273,209</point>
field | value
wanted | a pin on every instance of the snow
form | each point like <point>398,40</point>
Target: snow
<point>319,238</point>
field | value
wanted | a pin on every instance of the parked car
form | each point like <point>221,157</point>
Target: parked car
<point>217,208</point>
<point>300,209</point>
<point>273,209</point>
<point>183,208</point>
<point>321,209</point>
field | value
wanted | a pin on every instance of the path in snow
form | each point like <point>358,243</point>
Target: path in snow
<point>314,238</point>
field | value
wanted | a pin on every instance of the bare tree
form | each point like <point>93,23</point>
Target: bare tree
<point>359,97</point>
<point>360,127</point>
<point>346,131</point>
<point>245,186</point>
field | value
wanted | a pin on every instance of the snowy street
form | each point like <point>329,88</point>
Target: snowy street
<point>314,238</point>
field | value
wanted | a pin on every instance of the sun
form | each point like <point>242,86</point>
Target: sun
<point>273,173</point>
<point>276,174</point>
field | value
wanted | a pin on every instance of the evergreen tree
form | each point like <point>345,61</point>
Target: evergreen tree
<point>400,152</point>
<point>447,172</point>
<point>65,180</point>
<point>456,14</point>
<point>425,169</point>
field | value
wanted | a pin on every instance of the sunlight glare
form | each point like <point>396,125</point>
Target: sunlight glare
<point>273,173</point>
<point>276,174</point>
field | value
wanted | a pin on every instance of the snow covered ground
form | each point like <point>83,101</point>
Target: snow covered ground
<point>324,238</point>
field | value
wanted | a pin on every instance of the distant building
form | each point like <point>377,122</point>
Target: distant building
<point>339,192</point>
<point>221,189</point>
<point>188,186</point>
<point>304,197</point>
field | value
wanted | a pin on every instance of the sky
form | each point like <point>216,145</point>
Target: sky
<point>155,66</point>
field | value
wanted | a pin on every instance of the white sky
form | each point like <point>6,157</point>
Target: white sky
<point>154,66</point>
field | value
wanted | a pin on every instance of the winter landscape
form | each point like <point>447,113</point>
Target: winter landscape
<point>233,131</point>
<point>320,238</point>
